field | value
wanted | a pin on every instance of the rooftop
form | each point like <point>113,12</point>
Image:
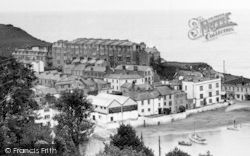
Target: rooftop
<point>131,67</point>
<point>123,76</point>
<point>238,81</point>
<point>151,50</point>
<point>139,96</point>
<point>164,90</point>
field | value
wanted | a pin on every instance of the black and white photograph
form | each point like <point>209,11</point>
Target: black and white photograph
<point>124,78</point>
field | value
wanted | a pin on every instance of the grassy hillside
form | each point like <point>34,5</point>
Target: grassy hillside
<point>12,37</point>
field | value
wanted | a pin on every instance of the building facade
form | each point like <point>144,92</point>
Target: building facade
<point>203,91</point>
<point>112,108</point>
<point>147,55</point>
<point>34,54</point>
<point>146,71</point>
<point>117,80</point>
<point>114,51</point>
<point>238,89</point>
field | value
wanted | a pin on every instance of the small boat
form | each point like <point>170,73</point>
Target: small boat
<point>233,128</point>
<point>185,143</point>
<point>197,139</point>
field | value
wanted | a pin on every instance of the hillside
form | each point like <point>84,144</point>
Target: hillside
<point>12,37</point>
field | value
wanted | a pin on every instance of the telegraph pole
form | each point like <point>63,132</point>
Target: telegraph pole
<point>159,146</point>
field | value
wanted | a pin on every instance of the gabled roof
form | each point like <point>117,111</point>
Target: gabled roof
<point>123,76</point>
<point>80,67</point>
<point>119,98</point>
<point>131,67</point>
<point>239,81</point>
<point>139,96</point>
<point>100,101</point>
<point>151,50</point>
<point>164,90</point>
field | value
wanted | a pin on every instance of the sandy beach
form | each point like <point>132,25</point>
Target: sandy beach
<point>205,121</point>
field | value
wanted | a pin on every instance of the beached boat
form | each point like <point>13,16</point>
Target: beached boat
<point>185,143</point>
<point>233,128</point>
<point>197,139</point>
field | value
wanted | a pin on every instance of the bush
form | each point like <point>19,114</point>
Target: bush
<point>182,109</point>
<point>177,152</point>
<point>166,110</point>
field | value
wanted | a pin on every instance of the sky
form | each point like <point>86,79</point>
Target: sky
<point>126,5</point>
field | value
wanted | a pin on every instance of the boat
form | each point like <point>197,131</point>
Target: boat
<point>185,143</point>
<point>233,128</point>
<point>196,138</point>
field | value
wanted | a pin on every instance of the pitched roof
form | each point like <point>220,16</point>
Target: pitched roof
<point>80,67</point>
<point>131,67</point>
<point>123,76</point>
<point>152,50</point>
<point>69,66</point>
<point>119,98</point>
<point>96,68</point>
<point>139,96</point>
<point>164,90</point>
<point>100,101</point>
<point>239,81</point>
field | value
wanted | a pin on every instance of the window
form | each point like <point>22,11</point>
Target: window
<point>117,87</point>
<point>101,107</point>
<point>165,104</point>
<point>142,110</point>
<point>165,97</point>
<point>142,103</point>
<point>185,88</point>
<point>217,92</point>
<point>201,88</point>
<point>210,94</point>
<point>217,99</point>
<point>242,89</point>
<point>93,117</point>
<point>111,118</point>
<point>104,107</point>
<point>201,96</point>
<point>170,96</point>
<point>47,117</point>
<point>210,86</point>
<point>46,110</point>
<point>116,81</point>
<point>148,101</point>
<point>159,98</point>
<point>159,105</point>
<point>149,109</point>
<point>170,103</point>
<point>96,106</point>
<point>210,101</point>
<point>217,85</point>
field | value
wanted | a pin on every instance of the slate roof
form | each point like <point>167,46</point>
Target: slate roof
<point>152,50</point>
<point>131,67</point>
<point>139,96</point>
<point>164,90</point>
<point>80,67</point>
<point>123,76</point>
<point>239,81</point>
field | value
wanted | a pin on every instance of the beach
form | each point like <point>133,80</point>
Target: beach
<point>204,121</point>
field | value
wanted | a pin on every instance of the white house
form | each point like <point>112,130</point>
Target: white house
<point>112,108</point>
<point>38,66</point>
<point>203,91</point>
<point>46,115</point>
<point>117,80</point>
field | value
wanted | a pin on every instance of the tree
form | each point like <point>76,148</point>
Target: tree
<point>126,137</point>
<point>177,152</point>
<point>182,108</point>
<point>17,107</point>
<point>73,123</point>
<point>207,154</point>
<point>111,150</point>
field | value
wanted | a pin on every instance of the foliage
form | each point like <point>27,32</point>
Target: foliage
<point>177,152</point>
<point>73,123</point>
<point>182,108</point>
<point>166,110</point>
<point>16,106</point>
<point>111,150</point>
<point>126,137</point>
<point>207,154</point>
<point>15,85</point>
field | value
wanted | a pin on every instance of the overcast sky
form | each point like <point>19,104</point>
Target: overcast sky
<point>82,5</point>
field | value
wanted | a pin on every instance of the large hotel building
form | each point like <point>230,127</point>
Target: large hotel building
<point>115,51</point>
